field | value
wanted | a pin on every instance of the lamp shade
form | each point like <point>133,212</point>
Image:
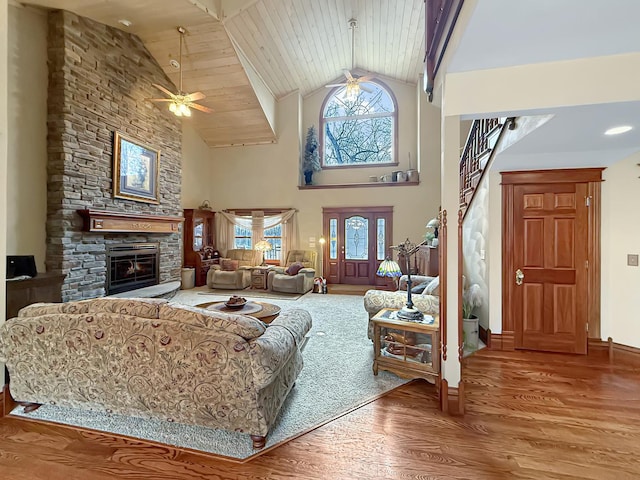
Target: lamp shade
<point>262,246</point>
<point>389,268</point>
<point>433,223</point>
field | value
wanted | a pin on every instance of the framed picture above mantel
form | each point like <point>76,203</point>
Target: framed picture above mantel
<point>135,170</point>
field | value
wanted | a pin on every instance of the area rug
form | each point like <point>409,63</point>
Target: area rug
<point>247,293</point>
<point>337,377</point>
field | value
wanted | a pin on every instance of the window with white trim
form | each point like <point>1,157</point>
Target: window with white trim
<point>359,130</point>
<point>243,239</point>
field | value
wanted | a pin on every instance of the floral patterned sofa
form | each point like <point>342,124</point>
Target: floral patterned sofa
<point>153,358</point>
<point>427,302</point>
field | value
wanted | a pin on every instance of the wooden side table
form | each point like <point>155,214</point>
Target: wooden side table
<point>259,277</point>
<point>408,349</point>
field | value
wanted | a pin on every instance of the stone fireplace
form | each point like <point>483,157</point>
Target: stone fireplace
<point>131,266</point>
<point>99,80</point>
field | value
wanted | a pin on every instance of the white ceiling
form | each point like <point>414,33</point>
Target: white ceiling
<point>503,33</point>
<point>574,137</point>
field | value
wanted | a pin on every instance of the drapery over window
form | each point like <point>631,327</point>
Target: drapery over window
<point>257,223</point>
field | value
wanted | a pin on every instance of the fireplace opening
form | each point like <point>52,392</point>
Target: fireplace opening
<point>132,266</point>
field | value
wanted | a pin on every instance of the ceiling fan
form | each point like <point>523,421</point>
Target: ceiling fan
<point>181,103</point>
<point>353,84</point>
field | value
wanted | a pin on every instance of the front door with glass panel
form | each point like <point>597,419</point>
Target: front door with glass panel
<point>358,239</point>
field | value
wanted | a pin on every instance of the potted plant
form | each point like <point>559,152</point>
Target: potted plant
<point>471,298</point>
<point>311,159</point>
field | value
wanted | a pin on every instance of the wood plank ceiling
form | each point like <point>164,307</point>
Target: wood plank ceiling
<point>305,44</point>
<point>294,45</point>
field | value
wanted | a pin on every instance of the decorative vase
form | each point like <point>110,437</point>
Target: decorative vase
<point>307,178</point>
<point>470,329</point>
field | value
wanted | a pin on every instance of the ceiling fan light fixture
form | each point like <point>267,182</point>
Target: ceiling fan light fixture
<point>181,103</point>
<point>180,109</point>
<point>186,111</point>
<point>352,90</point>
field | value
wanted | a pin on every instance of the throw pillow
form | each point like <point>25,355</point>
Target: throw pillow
<point>294,269</point>
<point>433,288</point>
<point>419,288</point>
<point>229,265</point>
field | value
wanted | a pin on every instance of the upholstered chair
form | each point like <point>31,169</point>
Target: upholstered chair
<point>425,299</point>
<point>297,274</point>
<point>234,270</point>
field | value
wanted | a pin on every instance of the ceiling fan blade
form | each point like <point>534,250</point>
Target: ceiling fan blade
<point>192,97</point>
<point>200,107</point>
<point>331,85</point>
<point>160,99</point>
<point>164,90</point>
<point>366,89</point>
<point>365,78</point>
<point>347,74</point>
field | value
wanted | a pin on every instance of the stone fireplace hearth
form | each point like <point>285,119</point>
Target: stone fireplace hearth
<point>131,266</point>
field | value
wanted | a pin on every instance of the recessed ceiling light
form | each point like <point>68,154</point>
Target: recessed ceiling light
<point>125,22</point>
<point>618,130</point>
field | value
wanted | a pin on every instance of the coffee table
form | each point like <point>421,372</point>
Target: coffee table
<point>266,312</point>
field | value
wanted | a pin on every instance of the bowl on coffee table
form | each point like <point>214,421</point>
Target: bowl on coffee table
<point>236,302</point>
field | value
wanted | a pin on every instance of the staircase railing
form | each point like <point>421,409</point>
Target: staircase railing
<point>478,152</point>
<point>476,149</point>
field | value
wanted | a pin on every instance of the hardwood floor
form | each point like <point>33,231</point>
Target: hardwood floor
<point>528,416</point>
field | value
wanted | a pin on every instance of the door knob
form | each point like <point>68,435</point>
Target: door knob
<point>519,277</point>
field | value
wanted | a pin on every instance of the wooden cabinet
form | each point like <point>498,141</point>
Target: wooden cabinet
<point>427,261</point>
<point>199,242</point>
<point>45,287</point>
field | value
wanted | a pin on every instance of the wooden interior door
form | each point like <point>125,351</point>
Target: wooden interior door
<point>358,239</point>
<point>550,267</point>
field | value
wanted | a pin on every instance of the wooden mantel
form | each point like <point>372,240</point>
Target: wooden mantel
<point>116,222</point>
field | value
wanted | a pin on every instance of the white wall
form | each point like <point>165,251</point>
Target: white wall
<point>4,124</point>
<point>475,243</point>
<point>27,112</point>
<point>544,85</point>
<point>494,252</point>
<point>269,175</point>
<point>197,168</point>
<point>620,234</point>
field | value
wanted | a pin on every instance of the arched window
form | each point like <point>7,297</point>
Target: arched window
<point>359,130</point>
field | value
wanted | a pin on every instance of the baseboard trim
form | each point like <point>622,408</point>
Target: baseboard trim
<point>596,347</point>
<point>485,336</point>
<point>614,352</point>
<point>501,341</point>
<point>452,398</point>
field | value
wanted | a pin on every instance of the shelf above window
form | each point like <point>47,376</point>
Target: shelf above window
<point>359,185</point>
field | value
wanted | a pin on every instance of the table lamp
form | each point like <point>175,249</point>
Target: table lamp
<point>409,312</point>
<point>263,246</point>
<point>390,269</point>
